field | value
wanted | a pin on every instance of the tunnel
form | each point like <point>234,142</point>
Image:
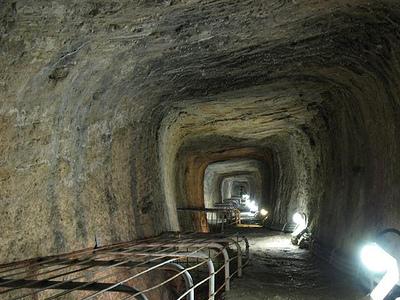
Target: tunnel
<point>162,136</point>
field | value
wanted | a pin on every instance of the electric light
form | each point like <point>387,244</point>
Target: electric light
<point>252,206</point>
<point>300,221</point>
<point>378,260</point>
<point>263,212</point>
<point>298,218</point>
<point>374,258</point>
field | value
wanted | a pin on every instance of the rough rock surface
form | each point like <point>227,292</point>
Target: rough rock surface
<point>110,112</point>
<point>280,271</point>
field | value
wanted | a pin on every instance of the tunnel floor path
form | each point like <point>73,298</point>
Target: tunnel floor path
<point>280,271</point>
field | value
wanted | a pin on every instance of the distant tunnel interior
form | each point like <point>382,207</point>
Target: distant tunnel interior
<point>124,121</point>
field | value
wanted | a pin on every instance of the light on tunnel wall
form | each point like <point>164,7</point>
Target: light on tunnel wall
<point>252,205</point>
<point>246,197</point>
<point>374,258</point>
<point>263,212</point>
<point>378,260</point>
<point>300,220</point>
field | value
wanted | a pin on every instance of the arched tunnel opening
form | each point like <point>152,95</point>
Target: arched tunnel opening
<point>234,179</point>
<point>187,149</point>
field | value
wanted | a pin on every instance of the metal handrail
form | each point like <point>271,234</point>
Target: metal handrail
<point>206,237</point>
<point>194,245</point>
<point>99,251</point>
<point>221,213</point>
<point>186,276</point>
<point>209,261</point>
<point>153,253</point>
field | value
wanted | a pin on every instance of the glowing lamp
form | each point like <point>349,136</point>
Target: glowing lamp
<point>252,206</point>
<point>375,258</point>
<point>300,221</point>
<point>378,260</point>
<point>263,212</point>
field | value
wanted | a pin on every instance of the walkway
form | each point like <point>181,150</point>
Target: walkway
<point>281,271</point>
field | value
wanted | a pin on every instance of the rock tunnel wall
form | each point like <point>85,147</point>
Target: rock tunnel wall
<point>104,104</point>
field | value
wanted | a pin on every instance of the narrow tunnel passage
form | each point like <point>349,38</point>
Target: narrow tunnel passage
<point>139,141</point>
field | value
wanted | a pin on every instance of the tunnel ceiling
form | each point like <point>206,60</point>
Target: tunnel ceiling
<point>109,111</point>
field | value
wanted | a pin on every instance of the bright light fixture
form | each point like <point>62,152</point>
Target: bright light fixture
<point>263,212</point>
<point>252,205</point>
<point>374,258</point>
<point>378,260</point>
<point>300,221</point>
<point>298,218</point>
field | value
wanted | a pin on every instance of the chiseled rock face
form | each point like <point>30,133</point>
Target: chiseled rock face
<point>107,109</point>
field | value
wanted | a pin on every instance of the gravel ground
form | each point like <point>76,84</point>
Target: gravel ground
<point>281,271</point>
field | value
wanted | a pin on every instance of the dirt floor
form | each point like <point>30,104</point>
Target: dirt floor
<point>280,271</point>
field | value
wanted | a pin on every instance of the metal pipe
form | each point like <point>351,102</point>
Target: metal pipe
<point>124,262</point>
<point>222,238</point>
<point>172,266</point>
<point>186,276</point>
<point>194,245</point>
<point>120,263</point>
<point>211,285</point>
<point>210,278</point>
<point>227,277</point>
<point>239,251</point>
<point>66,259</point>
<point>34,284</point>
<point>128,249</point>
<point>129,278</point>
<point>238,247</point>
